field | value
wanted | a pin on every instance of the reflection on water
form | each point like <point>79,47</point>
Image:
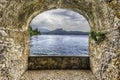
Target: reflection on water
<point>62,45</point>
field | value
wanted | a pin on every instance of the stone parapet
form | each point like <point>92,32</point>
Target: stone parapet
<point>58,62</point>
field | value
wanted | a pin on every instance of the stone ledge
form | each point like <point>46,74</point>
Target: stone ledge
<point>58,62</point>
<point>58,75</point>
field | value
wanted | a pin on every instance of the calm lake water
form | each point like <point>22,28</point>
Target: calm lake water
<point>59,45</point>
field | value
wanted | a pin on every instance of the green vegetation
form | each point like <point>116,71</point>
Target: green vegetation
<point>98,37</point>
<point>33,32</point>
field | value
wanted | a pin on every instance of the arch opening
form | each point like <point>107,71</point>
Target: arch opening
<point>59,32</point>
<point>59,37</point>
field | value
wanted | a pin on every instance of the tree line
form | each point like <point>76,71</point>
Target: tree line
<point>33,32</point>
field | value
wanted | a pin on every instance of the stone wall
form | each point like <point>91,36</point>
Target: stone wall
<point>102,15</point>
<point>58,62</point>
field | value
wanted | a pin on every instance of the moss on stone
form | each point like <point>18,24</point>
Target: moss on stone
<point>117,14</point>
<point>26,11</point>
<point>116,7</point>
<point>98,37</point>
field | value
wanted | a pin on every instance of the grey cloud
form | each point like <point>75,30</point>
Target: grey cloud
<point>60,18</point>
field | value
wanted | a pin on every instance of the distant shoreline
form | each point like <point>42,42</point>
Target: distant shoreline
<point>31,55</point>
<point>58,35</point>
<point>64,34</point>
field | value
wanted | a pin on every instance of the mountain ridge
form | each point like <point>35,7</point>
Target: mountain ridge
<point>60,31</point>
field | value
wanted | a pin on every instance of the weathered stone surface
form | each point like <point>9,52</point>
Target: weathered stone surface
<point>102,15</point>
<point>58,75</point>
<point>58,62</point>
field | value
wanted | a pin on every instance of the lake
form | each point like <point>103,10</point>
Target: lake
<point>59,45</point>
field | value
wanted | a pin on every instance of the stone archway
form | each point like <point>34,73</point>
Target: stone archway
<point>15,17</point>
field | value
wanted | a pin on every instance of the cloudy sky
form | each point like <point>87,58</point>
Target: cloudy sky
<point>60,18</point>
